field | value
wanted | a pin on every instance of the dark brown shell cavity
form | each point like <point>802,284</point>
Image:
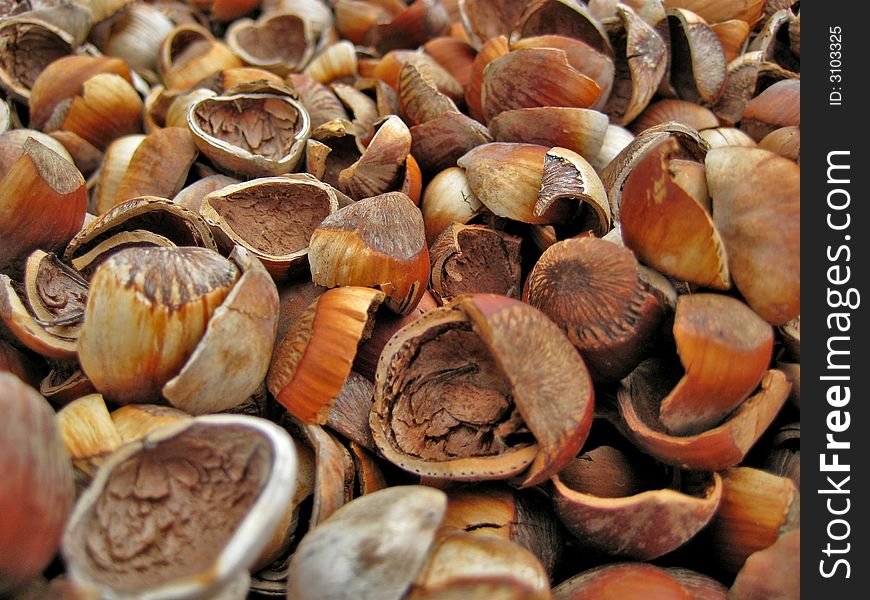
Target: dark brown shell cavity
<point>453,401</point>
<point>170,508</point>
<point>274,218</point>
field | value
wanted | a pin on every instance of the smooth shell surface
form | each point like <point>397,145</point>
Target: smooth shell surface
<point>370,549</point>
<point>37,492</point>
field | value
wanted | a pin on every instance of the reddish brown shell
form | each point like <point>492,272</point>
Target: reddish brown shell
<point>312,362</point>
<point>551,392</point>
<point>534,77</point>
<point>640,63</point>
<point>621,526</point>
<point>592,289</point>
<point>662,221</point>
<point>474,258</point>
<point>713,450</point>
<point>756,208</point>
<point>273,217</point>
<point>757,509</point>
<point>43,200</point>
<point>725,348</point>
<point>623,581</point>
<point>37,492</point>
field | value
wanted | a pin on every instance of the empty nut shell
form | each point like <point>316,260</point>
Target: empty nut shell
<point>458,397</point>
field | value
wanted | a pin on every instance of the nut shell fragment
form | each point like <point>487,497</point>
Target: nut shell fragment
<point>723,446</point>
<point>147,310</point>
<point>473,258</point>
<point>219,486</point>
<point>756,208</point>
<point>377,242</point>
<point>395,526</point>
<point>37,492</point>
<point>43,200</point>
<point>238,338</point>
<point>593,290</point>
<point>312,362</point>
<point>251,134</point>
<point>725,348</point>
<point>457,398</point>
<point>273,217</point>
<point>533,77</point>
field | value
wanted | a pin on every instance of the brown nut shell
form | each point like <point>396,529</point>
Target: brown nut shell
<point>473,258</point>
<point>623,581</point>
<point>135,421</point>
<point>460,556</point>
<point>158,166</point>
<point>380,168</point>
<point>533,77</point>
<point>37,492</point>
<point>273,217</point>
<point>159,216</point>
<point>770,573</point>
<point>698,65</point>
<point>398,524</point>
<point>313,360</point>
<point>487,19</point>
<point>448,199</point>
<point>189,54</point>
<point>238,477</point>
<point>321,103</point>
<point>468,349</point>
<point>714,11</point>
<point>387,324</point>
<point>494,509</point>
<point>90,96</point>
<point>593,290</point>
<point>55,295</point>
<point>564,18</point>
<point>757,509</point>
<point>619,525</point>
<point>497,46</point>
<point>438,144</point>
<point>723,446</point>
<point>377,242</point>
<point>238,340</point>
<point>777,106</point>
<point>785,141</point>
<point>251,134</point>
<point>41,42</point>
<point>578,129</point>
<point>64,383</point>
<point>732,34</point>
<point>43,199</point>
<point>89,435</point>
<point>334,62</point>
<point>640,64</point>
<point>725,348</point>
<point>16,315</point>
<point>583,57</point>
<point>507,178</point>
<point>674,110</point>
<point>756,208</point>
<point>662,219</point>
<point>169,294</point>
<point>280,43</point>
<point>455,55</point>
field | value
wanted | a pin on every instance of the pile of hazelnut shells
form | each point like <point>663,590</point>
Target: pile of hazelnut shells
<point>400,300</point>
